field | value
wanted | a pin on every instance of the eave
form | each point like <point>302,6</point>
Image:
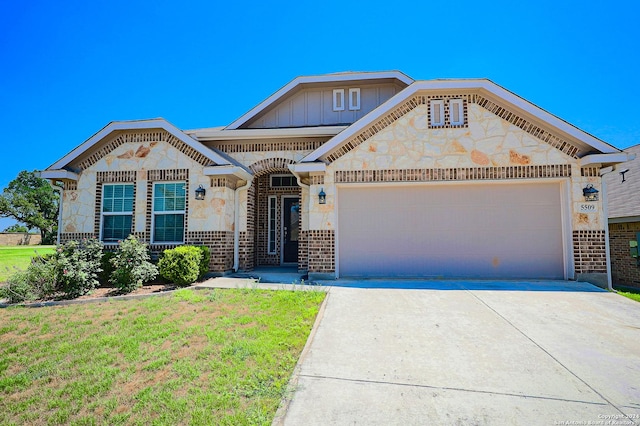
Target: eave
<point>217,134</point>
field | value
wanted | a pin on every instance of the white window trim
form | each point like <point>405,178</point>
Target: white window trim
<point>165,212</point>
<point>354,106</point>
<point>338,93</point>
<point>270,220</point>
<point>437,103</point>
<point>103,213</point>
<point>456,104</point>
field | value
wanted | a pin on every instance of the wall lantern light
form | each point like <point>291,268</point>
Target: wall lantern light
<point>322,197</point>
<point>590,193</point>
<point>200,193</point>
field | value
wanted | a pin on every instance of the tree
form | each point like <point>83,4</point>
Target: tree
<point>30,199</point>
<point>16,227</point>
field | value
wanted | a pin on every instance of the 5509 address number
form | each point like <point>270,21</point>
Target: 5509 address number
<point>588,208</point>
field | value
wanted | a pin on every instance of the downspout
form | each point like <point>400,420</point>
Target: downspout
<point>59,189</point>
<point>605,211</point>
<point>302,185</point>
<point>236,224</point>
<point>298,178</point>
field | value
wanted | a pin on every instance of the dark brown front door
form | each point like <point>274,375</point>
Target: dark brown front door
<point>290,229</point>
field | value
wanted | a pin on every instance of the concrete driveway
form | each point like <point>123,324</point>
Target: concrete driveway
<point>470,353</point>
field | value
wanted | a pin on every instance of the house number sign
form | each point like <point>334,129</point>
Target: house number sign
<point>588,208</point>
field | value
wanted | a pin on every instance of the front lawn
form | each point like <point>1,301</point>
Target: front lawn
<point>13,258</point>
<point>630,295</point>
<point>195,357</point>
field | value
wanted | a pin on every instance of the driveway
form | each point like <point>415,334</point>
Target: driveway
<point>470,353</point>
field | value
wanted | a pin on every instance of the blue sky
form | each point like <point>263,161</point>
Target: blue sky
<point>71,67</point>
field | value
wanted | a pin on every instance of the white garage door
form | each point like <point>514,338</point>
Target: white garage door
<point>467,231</point>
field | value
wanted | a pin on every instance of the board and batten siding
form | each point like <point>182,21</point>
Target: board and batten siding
<point>314,107</point>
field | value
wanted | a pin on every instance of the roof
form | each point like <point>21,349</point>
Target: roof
<point>316,79</point>
<point>484,86</point>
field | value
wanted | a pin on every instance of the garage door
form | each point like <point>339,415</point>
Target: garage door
<point>449,231</point>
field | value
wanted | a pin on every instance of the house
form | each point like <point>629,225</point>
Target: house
<point>367,174</point>
<point>623,187</point>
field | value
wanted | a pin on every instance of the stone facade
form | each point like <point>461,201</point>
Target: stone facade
<point>484,141</point>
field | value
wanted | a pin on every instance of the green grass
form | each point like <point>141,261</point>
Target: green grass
<point>630,295</point>
<point>195,357</point>
<point>13,258</point>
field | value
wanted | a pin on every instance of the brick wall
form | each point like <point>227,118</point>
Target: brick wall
<point>303,251</point>
<point>589,251</point>
<point>261,211</point>
<point>19,239</point>
<point>321,249</point>
<point>624,268</point>
<point>221,245</point>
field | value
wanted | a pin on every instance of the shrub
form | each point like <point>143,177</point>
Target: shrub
<point>181,265</point>
<point>78,266</point>
<point>131,265</point>
<point>204,260</point>
<point>106,266</point>
<point>36,282</point>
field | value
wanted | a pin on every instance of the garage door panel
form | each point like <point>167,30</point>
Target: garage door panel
<point>489,231</point>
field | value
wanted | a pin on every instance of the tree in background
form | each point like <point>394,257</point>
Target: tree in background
<point>16,227</point>
<point>30,199</point>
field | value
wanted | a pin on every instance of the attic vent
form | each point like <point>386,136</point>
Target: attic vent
<point>354,99</point>
<point>437,112</point>
<point>456,112</point>
<point>338,99</point>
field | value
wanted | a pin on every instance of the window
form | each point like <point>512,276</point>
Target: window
<point>169,204</point>
<point>278,181</point>
<point>272,224</point>
<point>338,99</point>
<point>354,99</point>
<point>456,112</point>
<point>437,112</point>
<point>117,212</point>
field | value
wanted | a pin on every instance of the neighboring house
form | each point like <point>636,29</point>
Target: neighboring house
<point>624,220</point>
<point>355,174</point>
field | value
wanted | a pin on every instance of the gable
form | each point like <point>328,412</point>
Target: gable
<point>484,140</point>
<point>484,94</point>
<point>313,108</point>
<point>135,150</point>
<point>116,134</point>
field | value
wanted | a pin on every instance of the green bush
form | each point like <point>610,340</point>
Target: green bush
<point>204,260</point>
<point>181,265</point>
<point>106,266</point>
<point>78,266</point>
<point>131,265</point>
<point>38,281</point>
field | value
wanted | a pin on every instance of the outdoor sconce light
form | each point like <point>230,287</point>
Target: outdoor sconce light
<point>590,193</point>
<point>200,193</point>
<point>322,197</point>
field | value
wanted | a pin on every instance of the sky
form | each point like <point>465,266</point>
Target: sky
<point>71,67</point>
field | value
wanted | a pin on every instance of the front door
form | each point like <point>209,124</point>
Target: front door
<point>290,229</point>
